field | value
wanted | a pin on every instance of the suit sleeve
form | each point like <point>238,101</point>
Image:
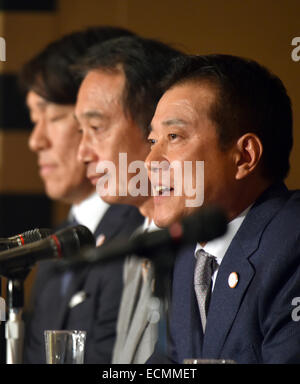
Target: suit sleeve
<point>280,323</point>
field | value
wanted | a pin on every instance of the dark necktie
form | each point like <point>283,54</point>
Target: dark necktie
<point>206,264</point>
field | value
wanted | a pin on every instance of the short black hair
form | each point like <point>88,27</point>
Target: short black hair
<point>249,98</point>
<point>49,73</point>
<point>144,63</point>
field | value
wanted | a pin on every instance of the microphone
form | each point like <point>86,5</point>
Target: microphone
<point>207,224</point>
<point>24,238</point>
<point>64,243</point>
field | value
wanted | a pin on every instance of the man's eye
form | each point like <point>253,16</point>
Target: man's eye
<point>173,136</point>
<point>95,128</point>
<point>53,119</point>
<point>98,127</point>
<point>151,141</point>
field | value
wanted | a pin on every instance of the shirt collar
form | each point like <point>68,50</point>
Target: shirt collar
<point>90,211</point>
<point>219,246</point>
<point>149,225</point>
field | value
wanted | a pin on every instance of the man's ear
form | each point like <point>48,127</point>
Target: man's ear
<point>249,150</point>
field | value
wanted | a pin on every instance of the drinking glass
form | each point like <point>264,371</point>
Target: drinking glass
<point>64,347</point>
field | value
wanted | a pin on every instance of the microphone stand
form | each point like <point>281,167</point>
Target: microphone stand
<point>14,327</point>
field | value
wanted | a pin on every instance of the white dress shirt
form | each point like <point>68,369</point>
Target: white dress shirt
<point>149,225</point>
<point>90,211</point>
<point>219,246</point>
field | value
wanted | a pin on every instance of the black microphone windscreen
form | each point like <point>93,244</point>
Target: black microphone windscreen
<point>205,225</point>
<point>35,235</point>
<point>71,239</point>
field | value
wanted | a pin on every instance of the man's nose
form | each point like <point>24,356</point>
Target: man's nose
<point>86,153</point>
<point>157,159</point>
<point>39,139</point>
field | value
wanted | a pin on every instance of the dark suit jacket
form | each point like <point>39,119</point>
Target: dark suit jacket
<point>251,323</point>
<point>102,286</point>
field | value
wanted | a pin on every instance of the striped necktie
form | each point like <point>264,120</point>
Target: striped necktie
<point>206,264</point>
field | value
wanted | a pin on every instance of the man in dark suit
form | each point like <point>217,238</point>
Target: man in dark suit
<point>233,297</point>
<point>115,104</point>
<point>87,299</point>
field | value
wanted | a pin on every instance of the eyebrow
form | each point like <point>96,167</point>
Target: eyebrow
<point>39,104</point>
<point>91,115</point>
<point>170,122</point>
<point>42,103</point>
<point>174,122</point>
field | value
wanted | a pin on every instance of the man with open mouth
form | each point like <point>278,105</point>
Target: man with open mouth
<point>233,296</point>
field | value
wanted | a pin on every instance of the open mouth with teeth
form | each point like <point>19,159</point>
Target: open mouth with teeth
<point>162,190</point>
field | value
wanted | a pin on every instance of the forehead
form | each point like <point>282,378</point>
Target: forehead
<point>188,101</point>
<point>33,100</point>
<point>39,105</point>
<point>101,87</point>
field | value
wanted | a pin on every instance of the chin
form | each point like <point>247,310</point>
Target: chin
<point>163,221</point>
<point>126,200</point>
<point>166,214</point>
<point>57,194</point>
<point>113,199</point>
<point>53,193</point>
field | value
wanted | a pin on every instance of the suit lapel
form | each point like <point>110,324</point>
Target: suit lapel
<point>52,289</point>
<point>226,301</point>
<point>109,226</point>
<point>186,329</point>
<point>75,285</point>
<point>130,297</point>
<point>117,219</point>
<point>140,313</point>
